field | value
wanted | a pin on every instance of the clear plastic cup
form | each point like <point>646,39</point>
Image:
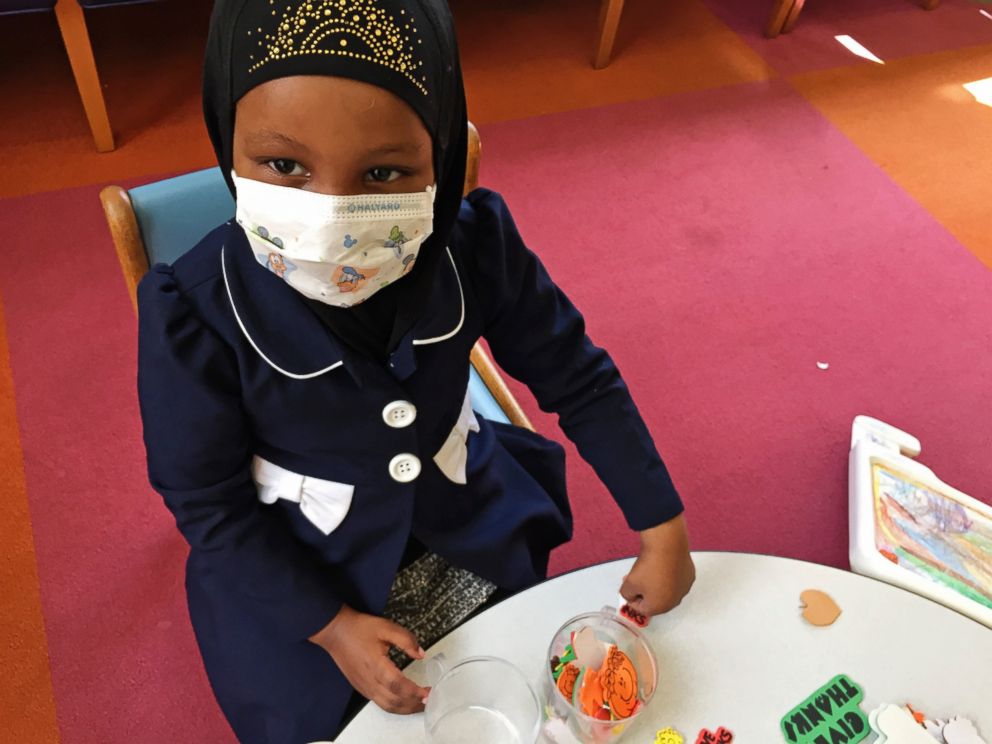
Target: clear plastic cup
<point>482,699</point>
<point>565,722</point>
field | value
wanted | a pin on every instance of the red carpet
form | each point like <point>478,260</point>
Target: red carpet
<point>123,661</point>
<point>892,29</point>
<point>723,229</point>
<point>26,696</point>
<point>719,288</point>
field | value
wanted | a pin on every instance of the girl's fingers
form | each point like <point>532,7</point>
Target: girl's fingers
<point>646,607</point>
<point>401,638</point>
<point>643,606</point>
<point>658,602</point>
<point>630,591</point>
<point>643,600</point>
<point>398,691</point>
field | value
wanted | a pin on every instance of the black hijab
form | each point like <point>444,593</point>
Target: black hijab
<point>407,47</point>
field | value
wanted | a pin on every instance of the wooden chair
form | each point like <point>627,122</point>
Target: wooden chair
<point>609,20</point>
<point>785,13</point>
<point>75,36</point>
<point>162,220</point>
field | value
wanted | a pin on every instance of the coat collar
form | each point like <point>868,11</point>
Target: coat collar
<point>290,338</point>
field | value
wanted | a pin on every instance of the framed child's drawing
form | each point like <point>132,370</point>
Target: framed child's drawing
<point>909,528</point>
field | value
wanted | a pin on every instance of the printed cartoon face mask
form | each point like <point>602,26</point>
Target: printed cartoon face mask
<point>336,249</point>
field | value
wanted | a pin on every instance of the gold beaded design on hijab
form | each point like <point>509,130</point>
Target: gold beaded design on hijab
<point>358,29</point>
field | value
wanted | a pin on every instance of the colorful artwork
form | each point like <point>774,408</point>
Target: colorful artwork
<point>932,534</point>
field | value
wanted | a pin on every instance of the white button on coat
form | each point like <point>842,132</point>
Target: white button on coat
<point>404,467</point>
<point>399,413</point>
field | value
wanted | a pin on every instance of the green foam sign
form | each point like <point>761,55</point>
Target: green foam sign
<point>831,715</point>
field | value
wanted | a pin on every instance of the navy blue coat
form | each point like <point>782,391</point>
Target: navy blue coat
<point>234,366</point>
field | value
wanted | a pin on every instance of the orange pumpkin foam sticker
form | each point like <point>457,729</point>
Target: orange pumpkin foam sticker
<point>619,680</point>
<point>591,693</point>
<point>577,687</point>
<point>566,680</point>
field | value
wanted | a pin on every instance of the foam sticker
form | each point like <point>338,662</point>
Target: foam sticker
<point>589,650</point>
<point>668,736</point>
<point>831,715</point>
<point>577,687</point>
<point>819,608</point>
<point>590,692</point>
<point>566,681</point>
<point>897,723</point>
<point>629,613</point>
<point>935,729</point>
<point>619,680</point>
<point>558,663</point>
<point>873,720</point>
<point>961,731</point>
<point>720,736</point>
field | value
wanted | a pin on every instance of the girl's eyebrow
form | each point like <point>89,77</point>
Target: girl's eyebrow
<point>269,137</point>
<point>400,148</point>
<point>266,137</point>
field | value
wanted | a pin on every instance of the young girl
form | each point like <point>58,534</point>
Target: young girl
<point>303,375</point>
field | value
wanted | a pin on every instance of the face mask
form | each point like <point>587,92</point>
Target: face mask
<point>336,249</point>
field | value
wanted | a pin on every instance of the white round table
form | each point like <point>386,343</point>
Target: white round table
<point>737,652</point>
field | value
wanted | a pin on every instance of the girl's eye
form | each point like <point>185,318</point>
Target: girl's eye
<point>285,167</point>
<point>383,175</point>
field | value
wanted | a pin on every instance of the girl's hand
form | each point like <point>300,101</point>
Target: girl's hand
<point>663,572</point>
<point>359,645</point>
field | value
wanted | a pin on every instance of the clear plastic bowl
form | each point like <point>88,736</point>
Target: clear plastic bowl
<point>481,699</point>
<point>610,628</point>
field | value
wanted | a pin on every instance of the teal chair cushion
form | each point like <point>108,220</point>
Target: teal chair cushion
<point>483,402</point>
<point>174,214</point>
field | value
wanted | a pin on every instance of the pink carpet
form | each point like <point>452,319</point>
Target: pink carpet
<point>123,659</point>
<point>735,240</point>
<point>891,29</point>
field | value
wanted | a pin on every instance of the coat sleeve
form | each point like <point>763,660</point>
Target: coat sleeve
<point>198,443</point>
<point>538,336</point>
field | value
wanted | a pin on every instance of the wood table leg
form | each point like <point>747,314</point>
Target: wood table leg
<point>778,17</point>
<point>790,22</point>
<point>609,21</point>
<point>77,46</point>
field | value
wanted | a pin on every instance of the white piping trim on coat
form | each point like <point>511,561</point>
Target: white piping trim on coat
<point>461,322</point>
<point>277,368</point>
